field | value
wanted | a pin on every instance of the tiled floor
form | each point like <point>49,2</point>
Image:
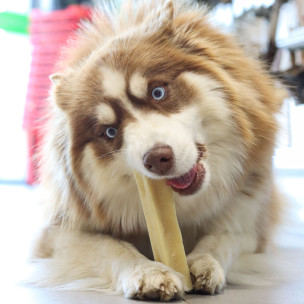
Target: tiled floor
<point>17,222</point>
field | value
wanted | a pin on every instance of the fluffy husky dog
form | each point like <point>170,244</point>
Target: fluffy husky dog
<point>156,89</point>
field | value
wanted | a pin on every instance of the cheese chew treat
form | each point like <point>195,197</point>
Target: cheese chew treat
<point>164,232</point>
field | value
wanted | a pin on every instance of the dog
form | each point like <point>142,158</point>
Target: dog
<point>157,89</point>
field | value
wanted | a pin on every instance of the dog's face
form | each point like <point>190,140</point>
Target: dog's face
<point>147,107</point>
<point>168,97</point>
<point>147,102</point>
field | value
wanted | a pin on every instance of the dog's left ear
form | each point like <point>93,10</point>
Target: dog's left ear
<point>161,19</point>
<point>165,16</point>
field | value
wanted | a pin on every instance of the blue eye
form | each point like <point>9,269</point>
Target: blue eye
<point>111,132</point>
<point>159,93</point>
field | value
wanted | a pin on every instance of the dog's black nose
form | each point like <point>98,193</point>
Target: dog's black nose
<point>159,159</point>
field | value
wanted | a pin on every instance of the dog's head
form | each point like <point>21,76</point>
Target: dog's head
<point>167,97</point>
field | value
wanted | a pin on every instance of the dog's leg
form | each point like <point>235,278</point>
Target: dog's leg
<point>212,256</point>
<point>78,257</point>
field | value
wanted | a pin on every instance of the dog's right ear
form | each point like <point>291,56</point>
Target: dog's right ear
<point>161,18</point>
<point>55,78</point>
<point>57,90</point>
<point>164,16</point>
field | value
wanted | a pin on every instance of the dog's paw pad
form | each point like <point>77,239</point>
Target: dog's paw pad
<point>155,282</point>
<point>207,275</point>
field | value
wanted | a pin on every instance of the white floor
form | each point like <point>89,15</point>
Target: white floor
<point>18,219</point>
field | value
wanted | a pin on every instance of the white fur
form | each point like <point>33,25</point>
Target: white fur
<point>138,85</point>
<point>113,82</point>
<point>105,114</point>
<point>99,262</point>
<point>124,209</point>
<point>152,129</point>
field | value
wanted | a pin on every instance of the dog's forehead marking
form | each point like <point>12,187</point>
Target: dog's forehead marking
<point>138,85</point>
<point>105,114</point>
<point>113,82</point>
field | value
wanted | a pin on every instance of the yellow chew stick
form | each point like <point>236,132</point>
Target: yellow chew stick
<point>164,232</point>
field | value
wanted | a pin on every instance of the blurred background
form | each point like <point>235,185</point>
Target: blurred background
<point>31,35</point>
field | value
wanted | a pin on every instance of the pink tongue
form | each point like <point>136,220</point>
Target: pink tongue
<point>184,181</point>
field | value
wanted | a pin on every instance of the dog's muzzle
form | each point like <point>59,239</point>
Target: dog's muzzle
<point>160,160</point>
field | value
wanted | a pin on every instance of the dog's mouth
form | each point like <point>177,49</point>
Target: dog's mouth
<point>190,182</point>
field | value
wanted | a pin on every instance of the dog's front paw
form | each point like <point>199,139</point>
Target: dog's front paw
<point>207,274</point>
<point>153,281</point>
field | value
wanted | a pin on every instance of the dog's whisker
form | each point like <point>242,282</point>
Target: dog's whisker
<point>107,155</point>
<point>115,172</point>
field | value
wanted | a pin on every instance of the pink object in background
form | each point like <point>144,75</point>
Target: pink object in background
<point>48,33</point>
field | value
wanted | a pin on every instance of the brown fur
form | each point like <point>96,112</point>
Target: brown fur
<point>251,96</point>
<point>161,51</point>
